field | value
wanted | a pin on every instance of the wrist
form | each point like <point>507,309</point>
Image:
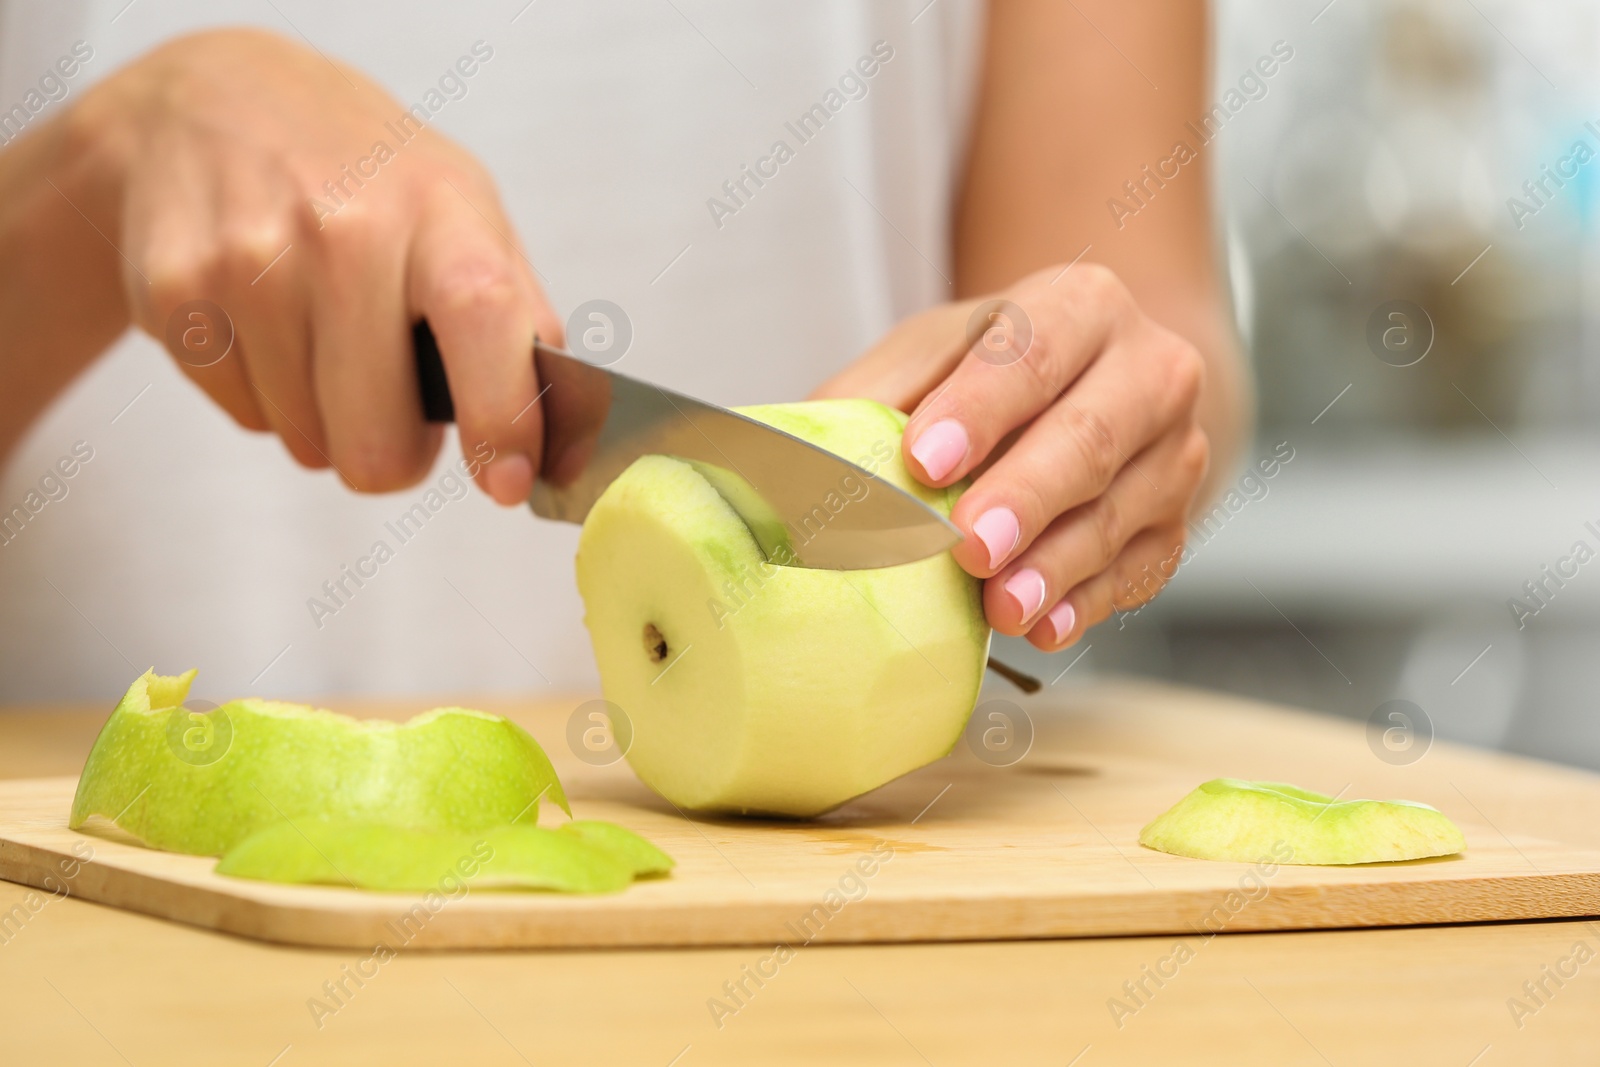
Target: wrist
<point>61,291</point>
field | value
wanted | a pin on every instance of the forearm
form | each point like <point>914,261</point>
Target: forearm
<point>61,297</point>
<point>1064,120</point>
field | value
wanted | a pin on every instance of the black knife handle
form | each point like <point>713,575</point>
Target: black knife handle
<point>437,404</point>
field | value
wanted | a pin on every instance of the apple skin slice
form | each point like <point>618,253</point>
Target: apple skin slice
<point>1232,819</point>
<point>643,858</point>
<point>586,857</point>
<point>447,769</point>
<point>754,688</point>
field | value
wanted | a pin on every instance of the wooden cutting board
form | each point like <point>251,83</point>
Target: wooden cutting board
<point>960,850</point>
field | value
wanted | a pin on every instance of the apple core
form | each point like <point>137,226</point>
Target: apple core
<point>655,646</point>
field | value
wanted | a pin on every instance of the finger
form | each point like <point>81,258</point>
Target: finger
<point>1143,569</point>
<point>363,370</point>
<point>908,362</point>
<point>175,292</point>
<point>1087,540</point>
<point>480,297</point>
<point>1066,327</point>
<point>277,344</point>
<point>260,227</point>
<point>1071,453</point>
<point>1154,491</point>
<point>227,383</point>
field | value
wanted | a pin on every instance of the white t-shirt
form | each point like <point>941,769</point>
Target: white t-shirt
<point>611,129</point>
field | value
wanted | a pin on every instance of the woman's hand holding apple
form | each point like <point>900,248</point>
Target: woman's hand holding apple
<point>1076,417</point>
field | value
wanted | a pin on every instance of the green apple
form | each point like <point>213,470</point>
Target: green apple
<point>1231,819</point>
<point>758,688</point>
<point>578,857</point>
<point>195,782</point>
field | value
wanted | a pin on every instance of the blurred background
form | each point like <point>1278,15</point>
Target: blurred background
<point>1367,204</point>
<point>1408,209</point>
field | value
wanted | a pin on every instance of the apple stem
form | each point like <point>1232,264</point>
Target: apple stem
<point>1025,682</point>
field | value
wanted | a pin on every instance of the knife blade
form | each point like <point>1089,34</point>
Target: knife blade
<point>805,506</point>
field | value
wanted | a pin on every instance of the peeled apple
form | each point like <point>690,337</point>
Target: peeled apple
<point>765,689</point>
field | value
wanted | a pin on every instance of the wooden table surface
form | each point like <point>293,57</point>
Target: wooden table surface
<point>81,983</point>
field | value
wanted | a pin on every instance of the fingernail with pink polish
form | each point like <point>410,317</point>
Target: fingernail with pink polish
<point>1000,532</point>
<point>1027,589</point>
<point>1061,619</point>
<point>940,447</point>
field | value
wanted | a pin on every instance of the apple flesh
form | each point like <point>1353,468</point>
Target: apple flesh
<point>764,689</point>
<point>1231,819</point>
<point>577,857</point>
<point>199,783</point>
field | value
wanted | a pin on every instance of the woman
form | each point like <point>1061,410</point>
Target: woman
<point>936,155</point>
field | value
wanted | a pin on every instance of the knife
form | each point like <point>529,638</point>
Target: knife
<point>806,506</point>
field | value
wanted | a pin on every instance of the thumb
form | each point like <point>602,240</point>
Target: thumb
<point>909,361</point>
